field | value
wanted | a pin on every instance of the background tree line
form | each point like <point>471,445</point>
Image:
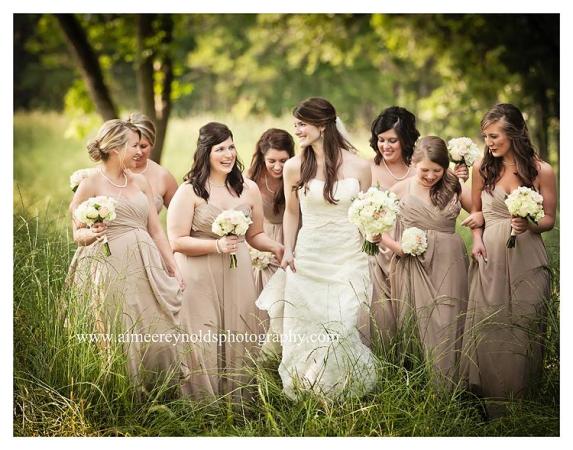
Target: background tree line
<point>446,68</point>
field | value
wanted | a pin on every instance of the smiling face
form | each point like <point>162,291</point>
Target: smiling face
<point>389,146</point>
<point>496,139</point>
<point>428,172</point>
<point>306,133</point>
<point>127,154</point>
<point>274,162</point>
<point>223,156</point>
<point>145,149</point>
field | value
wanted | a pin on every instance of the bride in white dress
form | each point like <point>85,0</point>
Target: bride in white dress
<point>326,282</point>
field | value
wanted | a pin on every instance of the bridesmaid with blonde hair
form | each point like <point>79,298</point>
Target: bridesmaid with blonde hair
<point>139,283</point>
<point>430,290</point>
<point>509,287</point>
<point>162,182</point>
<point>219,310</point>
<point>274,148</point>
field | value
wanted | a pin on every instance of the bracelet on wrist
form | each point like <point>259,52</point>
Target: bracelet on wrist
<point>219,251</point>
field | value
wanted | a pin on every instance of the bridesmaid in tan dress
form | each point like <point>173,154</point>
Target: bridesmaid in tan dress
<point>219,307</point>
<point>163,184</point>
<point>272,151</point>
<point>430,290</point>
<point>138,287</point>
<point>161,180</point>
<point>393,135</point>
<point>502,352</point>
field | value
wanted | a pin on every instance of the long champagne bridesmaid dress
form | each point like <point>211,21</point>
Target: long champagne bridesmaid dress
<point>502,352</point>
<point>219,301</point>
<point>132,290</point>
<point>432,289</point>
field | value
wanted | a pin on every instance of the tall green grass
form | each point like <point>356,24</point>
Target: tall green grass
<point>64,387</point>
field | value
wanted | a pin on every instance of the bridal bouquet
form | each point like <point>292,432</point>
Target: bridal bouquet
<point>78,176</point>
<point>231,222</point>
<point>524,202</point>
<point>260,260</point>
<point>373,212</point>
<point>94,210</point>
<point>463,150</point>
<point>414,241</point>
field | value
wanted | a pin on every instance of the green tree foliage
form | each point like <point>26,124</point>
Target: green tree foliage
<point>448,69</point>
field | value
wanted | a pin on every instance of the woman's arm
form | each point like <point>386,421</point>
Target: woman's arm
<point>548,189</point>
<point>291,218</point>
<point>256,236</point>
<point>156,232</point>
<point>170,187</point>
<point>179,220</point>
<point>83,235</point>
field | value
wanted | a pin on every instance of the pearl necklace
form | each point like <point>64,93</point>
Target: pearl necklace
<point>111,182</point>
<point>267,186</point>
<point>392,175</point>
<point>144,170</point>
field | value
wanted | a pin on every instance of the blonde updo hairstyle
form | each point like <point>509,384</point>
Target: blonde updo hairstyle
<point>113,134</point>
<point>145,125</point>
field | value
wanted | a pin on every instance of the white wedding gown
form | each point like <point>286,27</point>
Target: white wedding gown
<point>319,303</point>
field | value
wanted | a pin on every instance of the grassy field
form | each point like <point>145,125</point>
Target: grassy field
<point>63,387</point>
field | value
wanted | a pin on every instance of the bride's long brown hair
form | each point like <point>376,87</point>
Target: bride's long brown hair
<point>524,152</point>
<point>320,113</point>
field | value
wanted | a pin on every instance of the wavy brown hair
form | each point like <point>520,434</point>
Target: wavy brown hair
<point>320,113</point>
<point>210,135</point>
<point>279,140</point>
<point>524,152</point>
<point>403,122</point>
<point>436,150</point>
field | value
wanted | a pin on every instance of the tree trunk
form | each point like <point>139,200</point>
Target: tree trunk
<point>144,65</point>
<point>163,98</point>
<point>543,127</point>
<point>88,64</point>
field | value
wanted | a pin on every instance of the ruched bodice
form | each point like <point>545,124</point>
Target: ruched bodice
<point>494,208</point>
<point>204,216</point>
<point>415,212</point>
<point>130,214</point>
<point>270,215</point>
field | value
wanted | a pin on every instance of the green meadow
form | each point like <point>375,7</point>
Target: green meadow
<point>64,387</point>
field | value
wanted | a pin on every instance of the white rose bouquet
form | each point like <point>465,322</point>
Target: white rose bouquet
<point>524,202</point>
<point>94,210</point>
<point>231,222</point>
<point>463,150</point>
<point>78,176</point>
<point>414,241</point>
<point>260,260</point>
<point>373,212</point>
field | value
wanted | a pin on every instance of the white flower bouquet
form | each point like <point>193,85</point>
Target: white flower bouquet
<point>260,260</point>
<point>414,241</point>
<point>463,150</point>
<point>524,202</point>
<point>231,222</point>
<point>78,176</point>
<point>94,210</point>
<point>373,212</point>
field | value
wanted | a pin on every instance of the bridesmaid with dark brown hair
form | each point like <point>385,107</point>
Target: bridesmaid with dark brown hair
<point>509,287</point>
<point>274,148</point>
<point>218,309</point>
